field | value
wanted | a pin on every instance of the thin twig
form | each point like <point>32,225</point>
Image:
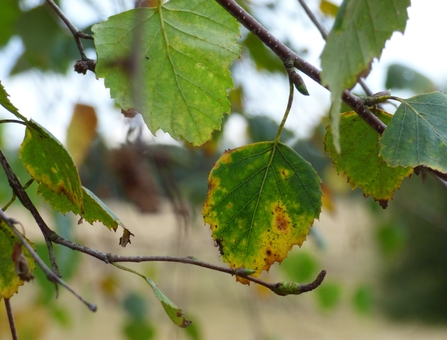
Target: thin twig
<point>12,324</point>
<point>77,35</point>
<point>242,272</point>
<point>285,54</point>
<point>314,19</point>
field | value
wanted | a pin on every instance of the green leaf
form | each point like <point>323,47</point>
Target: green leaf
<point>359,34</point>
<point>171,64</point>
<point>262,200</point>
<point>94,209</point>
<point>417,134</point>
<point>49,164</point>
<point>174,313</point>
<point>9,280</point>
<point>6,103</point>
<point>359,159</point>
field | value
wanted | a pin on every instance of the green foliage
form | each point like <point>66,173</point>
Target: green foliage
<point>300,267</point>
<point>414,278</point>
<point>359,159</point>
<point>328,295</point>
<point>402,77</point>
<point>171,65</point>
<point>359,34</point>
<point>417,134</point>
<point>362,299</point>
<point>262,200</point>
<point>8,17</point>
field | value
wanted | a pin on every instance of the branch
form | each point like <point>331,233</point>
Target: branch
<point>20,192</point>
<point>279,288</point>
<point>86,63</point>
<point>51,276</point>
<point>285,54</point>
<point>12,324</point>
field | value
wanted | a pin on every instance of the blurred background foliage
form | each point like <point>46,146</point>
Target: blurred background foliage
<point>410,236</point>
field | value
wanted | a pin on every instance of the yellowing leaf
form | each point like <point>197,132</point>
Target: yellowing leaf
<point>171,64</point>
<point>9,280</point>
<point>262,200</point>
<point>328,8</point>
<point>359,159</point>
<point>49,163</point>
<point>417,134</point>
<point>81,132</point>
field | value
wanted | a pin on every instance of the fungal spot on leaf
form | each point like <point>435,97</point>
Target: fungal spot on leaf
<point>284,173</point>
<point>281,218</point>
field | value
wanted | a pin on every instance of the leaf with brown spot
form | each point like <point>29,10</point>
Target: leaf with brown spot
<point>262,200</point>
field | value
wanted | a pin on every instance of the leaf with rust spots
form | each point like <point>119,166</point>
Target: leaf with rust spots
<point>262,199</point>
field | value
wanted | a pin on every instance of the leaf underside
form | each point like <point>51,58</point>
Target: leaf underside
<point>359,159</point>
<point>171,64</point>
<point>262,200</point>
<point>359,34</point>
<point>417,134</point>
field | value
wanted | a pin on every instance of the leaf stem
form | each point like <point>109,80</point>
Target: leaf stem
<point>285,53</point>
<point>286,114</point>
<point>12,324</point>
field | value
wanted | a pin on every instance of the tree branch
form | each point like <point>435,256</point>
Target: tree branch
<point>20,192</point>
<point>242,272</point>
<point>51,276</point>
<point>285,54</point>
<point>12,324</point>
<point>86,63</point>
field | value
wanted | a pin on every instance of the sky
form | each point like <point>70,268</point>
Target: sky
<point>45,98</point>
